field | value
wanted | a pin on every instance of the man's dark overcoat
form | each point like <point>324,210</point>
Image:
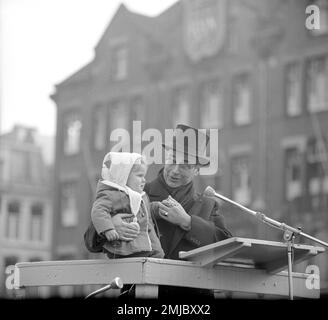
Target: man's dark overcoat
<point>207,224</point>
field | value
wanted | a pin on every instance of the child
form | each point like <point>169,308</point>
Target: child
<point>121,191</point>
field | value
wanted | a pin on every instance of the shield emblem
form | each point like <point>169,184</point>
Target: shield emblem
<point>204,27</point>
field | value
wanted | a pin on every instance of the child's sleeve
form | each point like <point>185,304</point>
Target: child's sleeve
<point>100,213</point>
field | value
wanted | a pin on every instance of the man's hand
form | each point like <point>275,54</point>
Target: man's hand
<point>111,235</point>
<point>175,214</point>
<point>126,231</point>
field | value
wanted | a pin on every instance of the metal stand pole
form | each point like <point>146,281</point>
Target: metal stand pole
<point>289,238</point>
<point>290,270</point>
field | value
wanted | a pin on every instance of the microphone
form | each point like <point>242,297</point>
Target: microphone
<point>115,284</point>
<point>210,193</point>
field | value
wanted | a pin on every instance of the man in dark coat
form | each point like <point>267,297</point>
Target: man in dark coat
<point>188,220</point>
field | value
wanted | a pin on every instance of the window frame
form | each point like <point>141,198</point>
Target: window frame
<point>100,108</point>
<point>116,61</point>
<point>308,83</point>
<point>300,154</point>
<point>177,93</point>
<point>41,235</point>
<point>215,88</point>
<point>236,80</point>
<point>298,64</point>
<point>71,116</point>
<point>234,158</point>
<point>10,214</point>
<point>75,219</point>
<point>317,199</point>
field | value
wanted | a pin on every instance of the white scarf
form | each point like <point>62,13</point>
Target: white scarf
<point>117,175</point>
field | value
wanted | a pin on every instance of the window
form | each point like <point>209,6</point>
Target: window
<point>317,85</point>
<point>211,106</point>
<point>293,89</point>
<point>118,119</point>
<point>72,135</point>
<point>181,107</point>
<point>241,100</point>
<point>37,222</point>
<point>323,17</point>
<point>240,180</point>
<point>137,115</point>
<point>69,213</point>
<point>293,180</point>
<point>118,116</point>
<point>12,228</point>
<point>138,111</point>
<point>317,172</point>
<point>316,169</point>
<point>119,62</point>
<point>100,128</point>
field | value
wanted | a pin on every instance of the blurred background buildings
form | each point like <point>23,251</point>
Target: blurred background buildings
<point>248,67</point>
<point>26,183</point>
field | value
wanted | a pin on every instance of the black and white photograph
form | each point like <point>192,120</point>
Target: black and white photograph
<point>164,151</point>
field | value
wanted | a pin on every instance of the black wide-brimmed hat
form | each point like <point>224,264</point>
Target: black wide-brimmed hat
<point>191,143</point>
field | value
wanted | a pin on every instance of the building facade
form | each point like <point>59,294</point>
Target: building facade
<point>249,68</point>
<point>25,204</point>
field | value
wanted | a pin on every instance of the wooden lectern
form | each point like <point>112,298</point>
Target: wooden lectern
<point>234,265</point>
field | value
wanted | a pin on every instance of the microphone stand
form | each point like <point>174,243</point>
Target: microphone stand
<point>289,238</point>
<point>289,232</point>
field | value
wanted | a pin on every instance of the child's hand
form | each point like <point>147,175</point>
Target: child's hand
<point>112,235</point>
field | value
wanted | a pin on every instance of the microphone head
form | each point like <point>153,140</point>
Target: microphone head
<point>209,192</point>
<point>117,283</point>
